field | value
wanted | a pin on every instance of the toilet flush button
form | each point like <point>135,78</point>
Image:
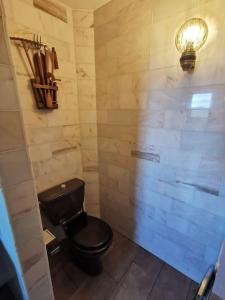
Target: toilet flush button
<point>63,186</point>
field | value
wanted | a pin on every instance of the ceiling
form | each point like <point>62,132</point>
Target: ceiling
<point>85,4</point>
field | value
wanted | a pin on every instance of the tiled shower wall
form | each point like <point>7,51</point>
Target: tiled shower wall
<point>18,184</point>
<point>161,132</point>
<point>85,67</point>
<point>53,137</point>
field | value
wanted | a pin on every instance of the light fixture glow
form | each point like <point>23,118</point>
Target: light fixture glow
<point>191,37</point>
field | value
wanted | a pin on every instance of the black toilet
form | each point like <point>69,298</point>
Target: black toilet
<point>89,237</point>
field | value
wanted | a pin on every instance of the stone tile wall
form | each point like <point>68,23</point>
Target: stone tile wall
<point>17,180</point>
<point>161,132</point>
<point>53,137</point>
<point>85,68</point>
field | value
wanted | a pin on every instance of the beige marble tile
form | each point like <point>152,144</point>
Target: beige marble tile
<point>89,129</point>
<point>85,55</point>
<point>5,72</point>
<point>89,143</point>
<point>39,136</point>
<point>41,288</point>
<point>91,177</point>
<point>87,102</point>
<point>84,37</point>
<point>8,95</point>
<point>93,209</point>
<point>71,131</point>
<point>87,116</point>
<point>20,198</point>
<point>83,18</point>
<point>86,87</point>
<point>4,57</point>
<point>11,131</point>
<point>35,118</point>
<point>105,33</point>
<point>85,71</point>
<point>90,159</point>
<point>26,226</point>
<point>40,152</point>
<point>14,167</point>
<point>92,194</point>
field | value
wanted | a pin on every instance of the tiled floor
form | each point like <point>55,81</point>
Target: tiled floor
<point>129,273</point>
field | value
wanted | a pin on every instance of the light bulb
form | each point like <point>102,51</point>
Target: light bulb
<point>194,32</point>
<point>191,37</point>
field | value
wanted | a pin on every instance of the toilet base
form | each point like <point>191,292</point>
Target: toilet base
<point>90,265</point>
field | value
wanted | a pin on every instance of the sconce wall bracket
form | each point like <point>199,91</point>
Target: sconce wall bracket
<point>187,60</point>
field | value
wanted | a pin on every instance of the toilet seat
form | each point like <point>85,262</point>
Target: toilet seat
<point>93,234</point>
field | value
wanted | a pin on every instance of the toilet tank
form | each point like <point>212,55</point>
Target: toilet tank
<point>63,201</point>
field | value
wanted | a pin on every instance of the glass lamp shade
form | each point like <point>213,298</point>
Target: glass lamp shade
<point>192,35</point>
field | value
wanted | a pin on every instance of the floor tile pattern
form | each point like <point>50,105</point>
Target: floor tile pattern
<point>130,273</point>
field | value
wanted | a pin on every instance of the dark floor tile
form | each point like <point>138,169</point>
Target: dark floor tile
<point>135,285</point>
<point>118,260</point>
<point>170,285</point>
<point>62,285</point>
<point>74,273</point>
<point>192,290</point>
<point>95,288</point>
<point>149,263</point>
<point>56,262</point>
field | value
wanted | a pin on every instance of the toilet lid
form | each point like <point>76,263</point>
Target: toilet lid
<point>94,234</point>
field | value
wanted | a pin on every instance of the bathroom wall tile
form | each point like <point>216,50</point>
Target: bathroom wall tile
<point>121,176</point>
<point>85,58</point>
<point>15,165</point>
<point>32,253</point>
<point>40,152</point>
<point>203,142</point>
<point>39,136</point>
<point>35,119</point>
<point>87,102</point>
<point>20,198</point>
<point>92,194</point>
<point>17,161</point>
<point>29,224</point>
<point>71,131</point>
<point>4,57</point>
<point>84,37</point>
<point>89,143</point>
<point>85,55</point>
<point>41,288</point>
<point>89,129</point>
<point>147,107</point>
<point>8,96</point>
<point>85,71</point>
<point>107,32</point>
<point>86,87</point>
<point>12,133</point>
<point>83,18</point>
<point>90,159</point>
<point>35,275</point>
<point>93,209</point>
<point>91,177</point>
<point>87,116</point>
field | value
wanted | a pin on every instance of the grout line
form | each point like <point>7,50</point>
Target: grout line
<point>155,281</point>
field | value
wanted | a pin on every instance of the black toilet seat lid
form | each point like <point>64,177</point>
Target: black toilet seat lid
<point>94,234</point>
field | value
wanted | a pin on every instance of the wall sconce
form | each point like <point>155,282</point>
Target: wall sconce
<point>191,37</point>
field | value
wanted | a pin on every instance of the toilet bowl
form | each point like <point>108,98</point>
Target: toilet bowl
<point>89,237</point>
